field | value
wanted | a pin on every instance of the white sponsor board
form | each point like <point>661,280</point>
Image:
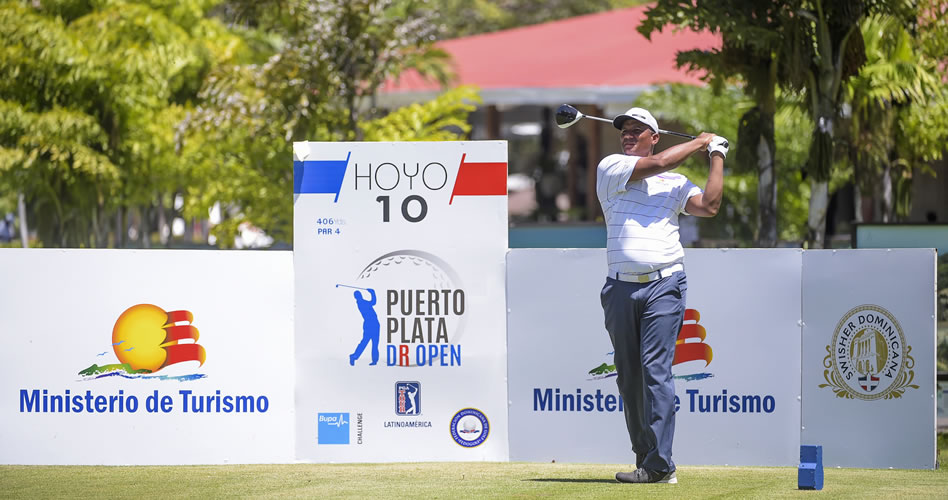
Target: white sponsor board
<point>146,357</point>
<point>738,406</point>
<point>868,357</point>
<point>400,322</point>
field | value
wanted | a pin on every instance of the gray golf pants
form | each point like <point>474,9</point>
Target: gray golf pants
<point>643,321</point>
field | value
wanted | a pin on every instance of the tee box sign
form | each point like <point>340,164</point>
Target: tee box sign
<point>399,256</point>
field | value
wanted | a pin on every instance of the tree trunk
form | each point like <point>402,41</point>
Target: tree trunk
<point>886,195</point>
<point>816,221</point>
<point>766,184</point>
<point>857,204</point>
<point>94,237</point>
<point>163,236</point>
<point>857,191</point>
<point>145,226</point>
<point>24,227</point>
<point>119,228</point>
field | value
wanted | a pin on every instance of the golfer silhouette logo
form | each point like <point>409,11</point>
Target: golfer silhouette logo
<point>412,395</point>
<point>370,326</point>
<point>407,398</point>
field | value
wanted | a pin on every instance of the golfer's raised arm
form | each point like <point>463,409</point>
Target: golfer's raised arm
<point>706,204</point>
<point>669,158</point>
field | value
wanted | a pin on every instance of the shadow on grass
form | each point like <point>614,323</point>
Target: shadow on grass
<point>569,480</point>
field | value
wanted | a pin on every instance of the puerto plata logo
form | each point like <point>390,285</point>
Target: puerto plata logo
<point>147,339</point>
<point>690,352</point>
<point>868,358</point>
<point>412,310</point>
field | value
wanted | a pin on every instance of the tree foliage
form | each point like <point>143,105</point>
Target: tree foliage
<point>328,62</point>
<point>110,108</point>
<point>83,86</point>
<point>753,39</point>
<point>720,111</point>
<point>470,17</point>
<point>807,47</point>
<point>897,88</point>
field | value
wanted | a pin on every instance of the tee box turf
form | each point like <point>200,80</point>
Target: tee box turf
<point>810,473</point>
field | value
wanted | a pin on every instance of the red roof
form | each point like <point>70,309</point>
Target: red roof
<point>601,55</point>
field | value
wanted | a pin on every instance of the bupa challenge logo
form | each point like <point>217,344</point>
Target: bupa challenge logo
<point>332,428</point>
<point>469,427</point>
<point>690,351</point>
<point>868,357</point>
<point>146,339</point>
<point>412,307</point>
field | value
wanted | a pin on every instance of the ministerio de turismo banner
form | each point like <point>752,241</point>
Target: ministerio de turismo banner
<point>400,314</point>
<point>736,366</point>
<point>124,357</point>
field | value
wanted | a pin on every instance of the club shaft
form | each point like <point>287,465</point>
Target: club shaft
<point>598,118</point>
<point>679,134</point>
<point>349,286</point>
<point>568,110</point>
<point>660,131</point>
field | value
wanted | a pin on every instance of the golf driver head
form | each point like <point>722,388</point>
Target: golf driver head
<point>567,115</point>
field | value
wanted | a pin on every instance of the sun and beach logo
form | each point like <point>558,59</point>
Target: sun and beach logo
<point>868,357</point>
<point>690,351</point>
<point>146,339</point>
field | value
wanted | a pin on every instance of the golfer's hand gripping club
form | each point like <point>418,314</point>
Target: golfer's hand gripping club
<point>718,145</point>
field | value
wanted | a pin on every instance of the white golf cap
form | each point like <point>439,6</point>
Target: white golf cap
<point>637,114</point>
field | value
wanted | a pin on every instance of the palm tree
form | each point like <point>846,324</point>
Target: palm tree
<point>892,80</point>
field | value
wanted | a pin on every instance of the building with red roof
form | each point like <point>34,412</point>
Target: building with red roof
<point>593,59</point>
<point>598,62</point>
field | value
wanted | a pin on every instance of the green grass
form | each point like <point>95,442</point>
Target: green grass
<point>453,481</point>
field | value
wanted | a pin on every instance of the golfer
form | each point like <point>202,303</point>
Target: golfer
<point>644,296</point>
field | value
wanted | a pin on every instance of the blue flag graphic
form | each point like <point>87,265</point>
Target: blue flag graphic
<point>319,176</point>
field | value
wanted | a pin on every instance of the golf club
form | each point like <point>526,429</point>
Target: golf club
<point>567,115</point>
<point>350,286</point>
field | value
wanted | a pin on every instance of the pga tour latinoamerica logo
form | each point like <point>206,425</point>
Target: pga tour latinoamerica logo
<point>407,398</point>
<point>868,358</point>
<point>147,339</point>
<point>408,404</point>
<point>469,427</point>
<point>411,310</point>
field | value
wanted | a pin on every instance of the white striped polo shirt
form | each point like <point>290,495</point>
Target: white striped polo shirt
<point>641,216</point>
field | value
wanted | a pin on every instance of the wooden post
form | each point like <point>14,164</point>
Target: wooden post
<point>572,144</point>
<point>594,152</point>
<point>493,122</point>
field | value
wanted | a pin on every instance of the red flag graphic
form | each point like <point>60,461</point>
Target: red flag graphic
<point>692,351</point>
<point>480,179</point>
<point>184,352</point>
<point>178,352</point>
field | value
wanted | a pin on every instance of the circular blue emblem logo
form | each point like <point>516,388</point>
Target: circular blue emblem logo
<point>469,427</point>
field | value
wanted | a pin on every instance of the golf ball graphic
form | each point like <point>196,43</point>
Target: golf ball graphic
<point>413,284</point>
<point>469,424</point>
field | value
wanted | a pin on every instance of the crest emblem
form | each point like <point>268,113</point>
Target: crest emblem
<point>869,358</point>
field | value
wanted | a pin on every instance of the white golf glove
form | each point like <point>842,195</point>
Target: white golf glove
<point>718,144</point>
